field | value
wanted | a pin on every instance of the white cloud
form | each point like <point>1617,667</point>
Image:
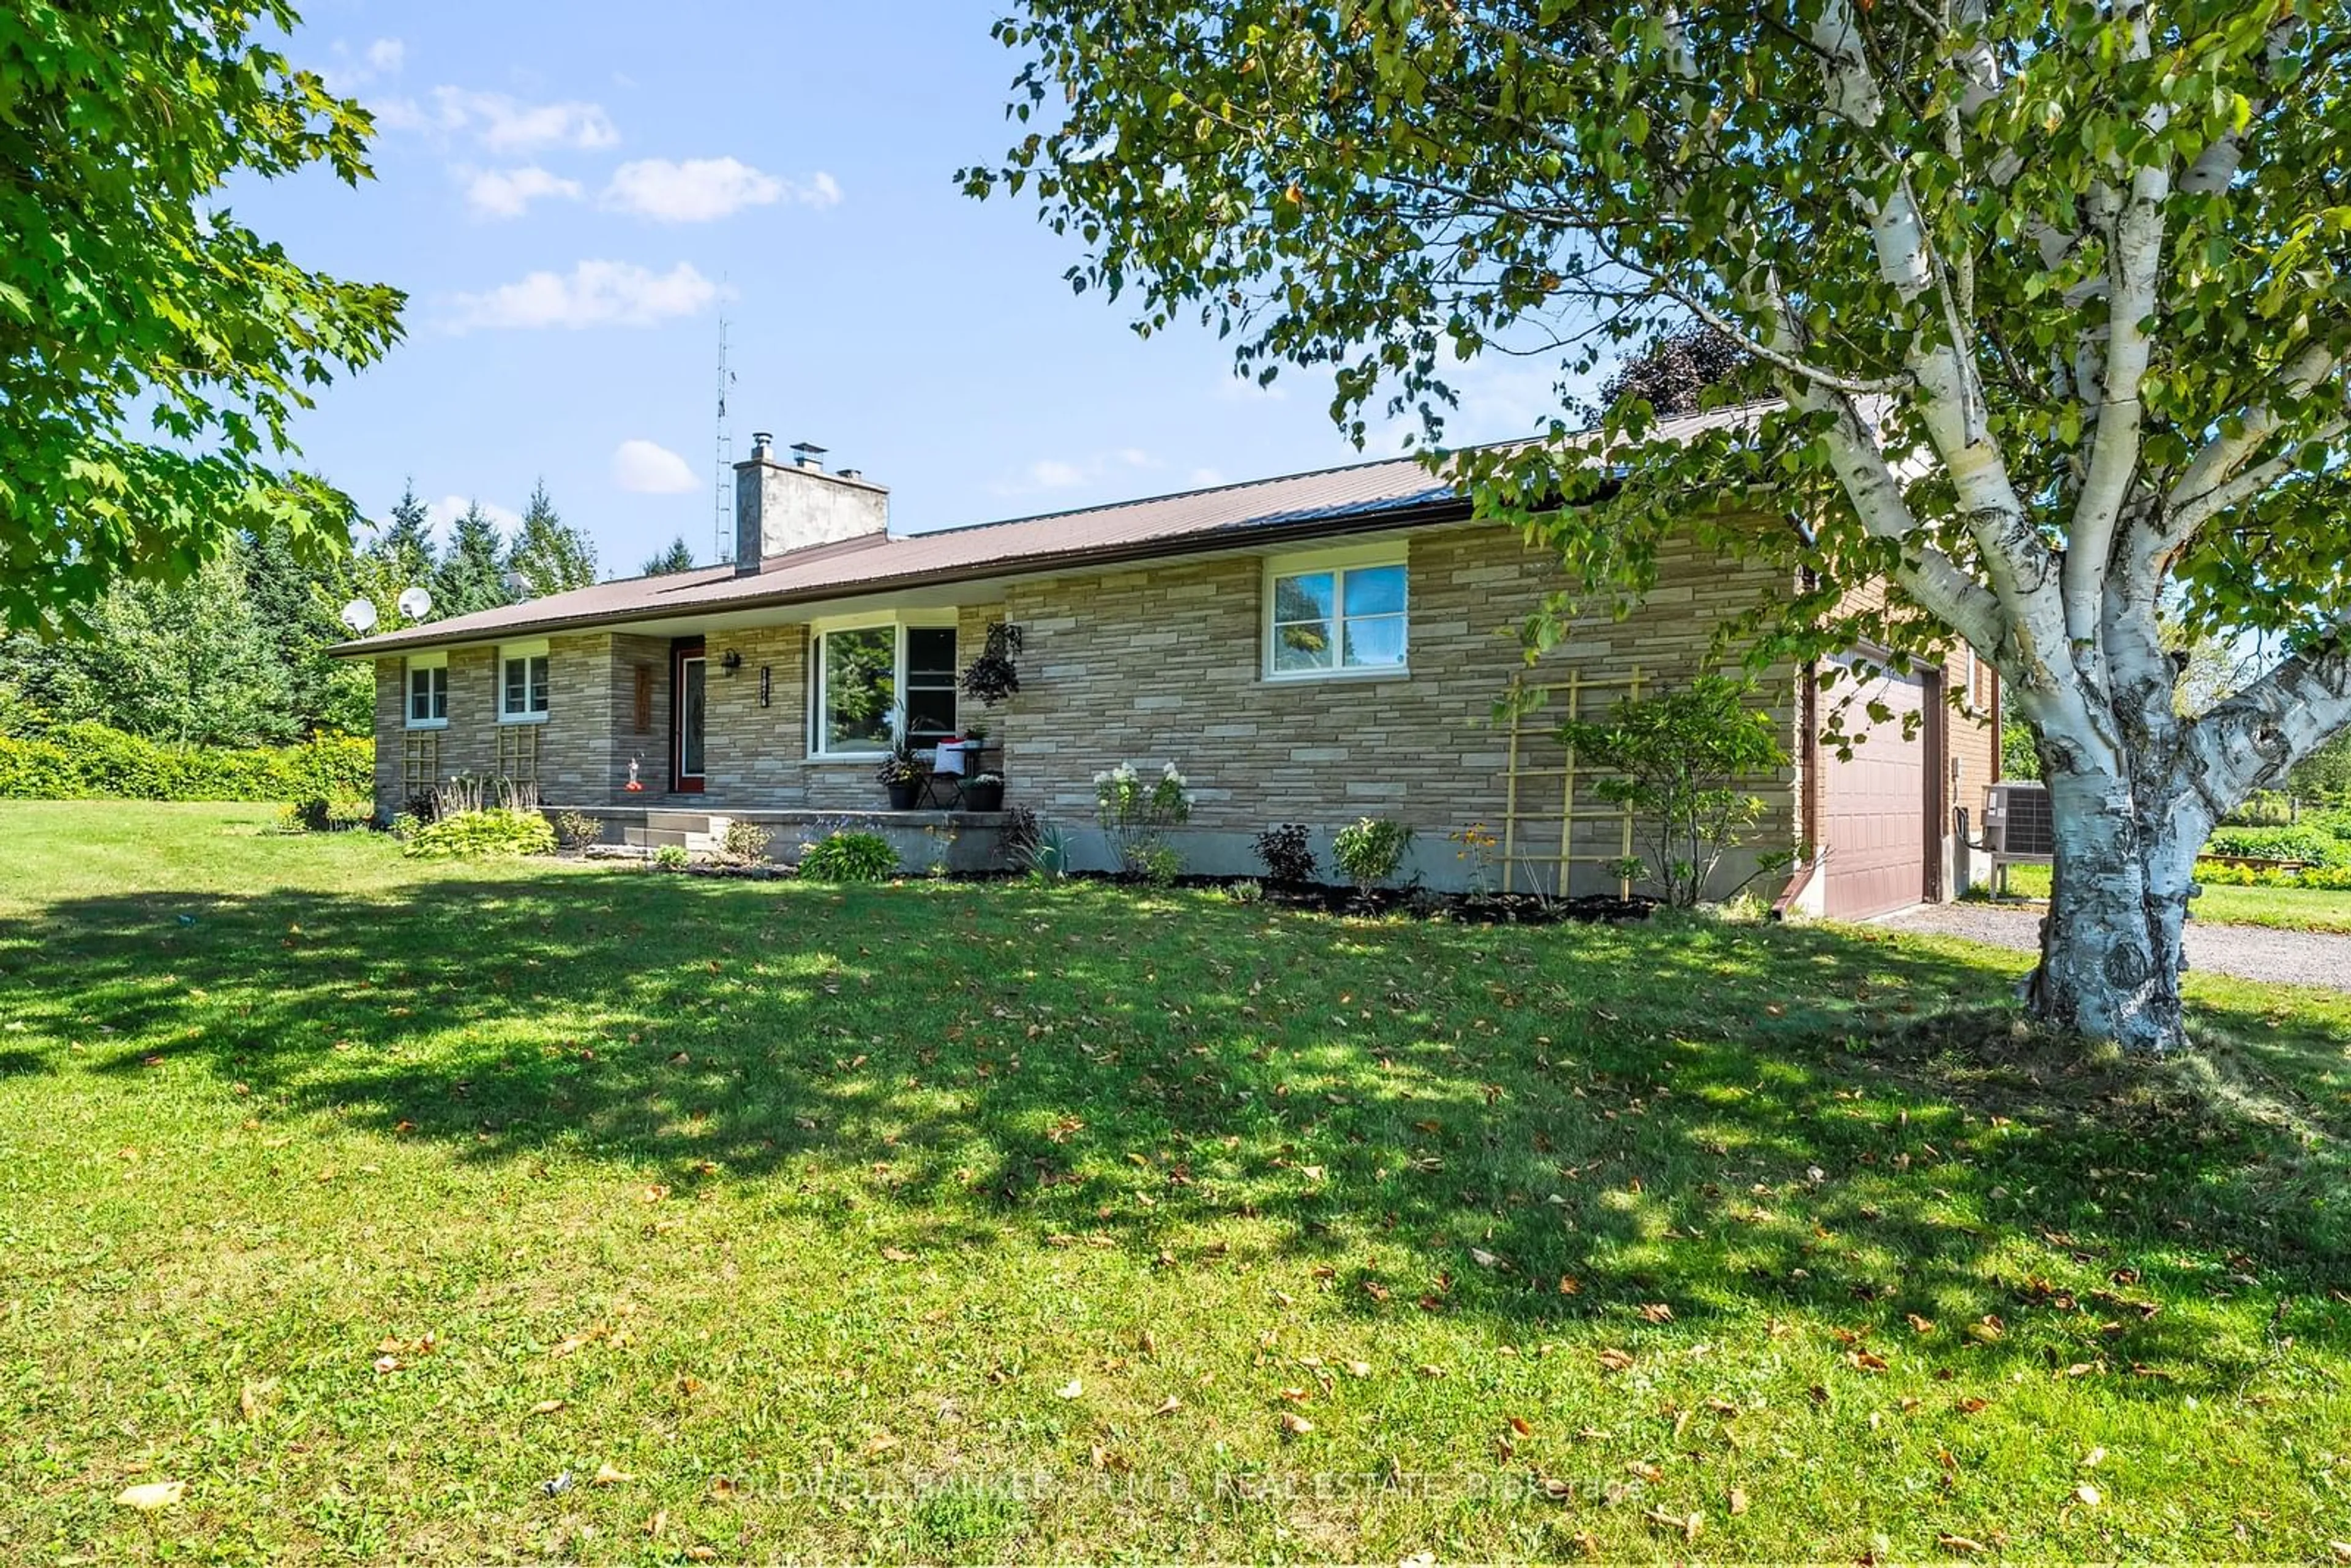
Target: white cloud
<point>1205,479</point>
<point>651,469</point>
<point>701,189</point>
<point>442,515</point>
<point>347,72</point>
<point>502,124</point>
<point>595,294</point>
<point>1054,475</point>
<point>1066,474</point>
<point>508,192</point>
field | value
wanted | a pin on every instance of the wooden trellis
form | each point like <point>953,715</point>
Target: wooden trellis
<point>1533,721</point>
<point>420,763</point>
<point>519,752</point>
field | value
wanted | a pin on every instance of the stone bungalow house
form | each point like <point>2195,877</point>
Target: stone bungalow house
<point>1313,648</point>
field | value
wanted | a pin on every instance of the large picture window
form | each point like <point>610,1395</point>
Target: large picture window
<point>428,691</point>
<point>522,683</point>
<point>1335,615</point>
<point>865,676</point>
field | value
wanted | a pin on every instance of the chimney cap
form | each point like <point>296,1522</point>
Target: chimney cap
<point>807,453</point>
<point>761,440</point>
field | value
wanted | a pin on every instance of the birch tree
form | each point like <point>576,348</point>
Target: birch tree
<point>2053,297</point>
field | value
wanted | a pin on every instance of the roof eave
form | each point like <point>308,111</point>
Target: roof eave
<point>1451,509</point>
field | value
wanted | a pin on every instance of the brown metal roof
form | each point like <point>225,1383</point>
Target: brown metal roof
<point>1389,493</point>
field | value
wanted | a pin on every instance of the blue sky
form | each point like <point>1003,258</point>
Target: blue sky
<point>573,195</point>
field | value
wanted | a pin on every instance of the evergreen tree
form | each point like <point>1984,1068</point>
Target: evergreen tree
<point>677,556</point>
<point>406,542</point>
<point>548,555</point>
<point>189,662</point>
<point>471,575</point>
<point>293,595</point>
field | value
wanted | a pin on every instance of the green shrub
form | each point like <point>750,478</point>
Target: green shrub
<point>1679,761</point>
<point>577,830</point>
<point>90,761</point>
<point>322,814</point>
<point>2305,842</point>
<point>849,857</point>
<point>672,857</point>
<point>745,843</point>
<point>1369,850</point>
<point>1135,814</point>
<point>476,835</point>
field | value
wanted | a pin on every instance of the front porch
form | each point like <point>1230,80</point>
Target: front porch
<point>925,839</point>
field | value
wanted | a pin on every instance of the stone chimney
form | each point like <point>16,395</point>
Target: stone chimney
<point>790,504</point>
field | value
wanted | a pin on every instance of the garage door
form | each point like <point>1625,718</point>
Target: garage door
<point>1873,812</point>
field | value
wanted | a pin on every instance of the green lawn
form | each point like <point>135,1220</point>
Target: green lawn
<point>2281,908</point>
<point>367,1197</point>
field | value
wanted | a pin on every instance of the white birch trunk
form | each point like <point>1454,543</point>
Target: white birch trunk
<point>2111,954</point>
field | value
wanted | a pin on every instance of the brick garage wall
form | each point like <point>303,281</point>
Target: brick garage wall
<point>1165,663</point>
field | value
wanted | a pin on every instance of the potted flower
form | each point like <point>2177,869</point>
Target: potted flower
<point>984,793</point>
<point>901,774</point>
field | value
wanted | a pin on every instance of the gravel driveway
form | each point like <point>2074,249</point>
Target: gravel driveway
<point>2248,952</point>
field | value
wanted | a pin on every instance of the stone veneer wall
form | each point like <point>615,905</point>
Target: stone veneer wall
<point>1150,664</point>
<point>1165,663</point>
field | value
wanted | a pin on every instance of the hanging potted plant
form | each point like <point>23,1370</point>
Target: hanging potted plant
<point>901,774</point>
<point>992,677</point>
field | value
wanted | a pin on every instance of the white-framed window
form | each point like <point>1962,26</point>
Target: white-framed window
<point>1336,612</point>
<point>865,672</point>
<point>427,685</point>
<point>522,683</point>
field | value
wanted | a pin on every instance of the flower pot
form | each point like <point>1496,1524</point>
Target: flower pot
<point>983,797</point>
<point>902,796</point>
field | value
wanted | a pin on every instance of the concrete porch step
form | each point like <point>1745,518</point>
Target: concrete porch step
<point>685,822</point>
<point>664,838</point>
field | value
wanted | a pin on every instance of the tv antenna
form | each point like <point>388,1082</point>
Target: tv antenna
<point>723,497</point>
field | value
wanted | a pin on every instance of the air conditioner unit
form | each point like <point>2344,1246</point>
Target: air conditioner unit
<point>2017,822</point>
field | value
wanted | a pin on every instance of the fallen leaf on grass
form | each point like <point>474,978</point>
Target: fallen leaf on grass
<point>2342,1550</point>
<point>1656,1312</point>
<point>1615,1360</point>
<point>1295,1425</point>
<point>1071,1389</point>
<point>151,1494</point>
<point>1169,1405</point>
<point>1519,1424</point>
<point>1919,1324</point>
<point>1738,1502</point>
<point>248,1403</point>
<point>2087,1494</point>
<point>702,1554</point>
<point>897,1255</point>
<point>881,1443</point>
<point>1689,1524</point>
<point>654,1194</point>
<point>606,1476</point>
<point>1950,1542</point>
<point>723,1486</point>
<point>1359,1369</point>
<point>1429,1369</point>
<point>547,1406</point>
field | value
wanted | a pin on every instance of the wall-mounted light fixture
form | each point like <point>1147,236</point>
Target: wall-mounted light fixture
<point>766,686</point>
<point>732,662</point>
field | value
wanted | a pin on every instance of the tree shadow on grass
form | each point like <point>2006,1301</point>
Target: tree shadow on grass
<point>1538,1125</point>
